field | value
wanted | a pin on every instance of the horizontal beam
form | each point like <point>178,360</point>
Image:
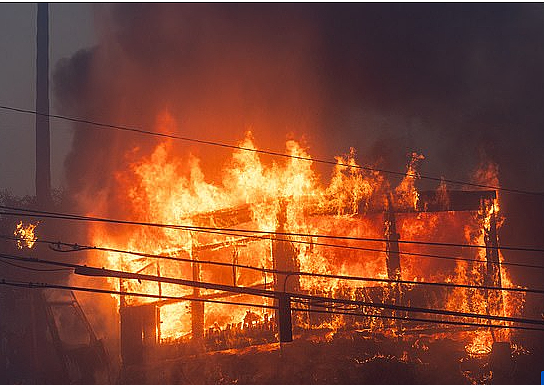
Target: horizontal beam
<point>91,271</point>
<point>429,201</point>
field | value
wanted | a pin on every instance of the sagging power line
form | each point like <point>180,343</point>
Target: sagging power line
<point>109,273</point>
<point>21,212</point>
<point>74,247</point>
<point>108,126</point>
<point>34,285</point>
<point>280,272</point>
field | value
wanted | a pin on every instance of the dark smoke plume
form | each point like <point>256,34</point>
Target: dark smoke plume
<point>456,82</point>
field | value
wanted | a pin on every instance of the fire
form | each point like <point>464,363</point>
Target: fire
<point>480,345</point>
<point>286,197</point>
<point>27,236</point>
<point>406,190</point>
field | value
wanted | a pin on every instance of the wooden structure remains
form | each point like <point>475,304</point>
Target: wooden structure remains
<point>140,325</point>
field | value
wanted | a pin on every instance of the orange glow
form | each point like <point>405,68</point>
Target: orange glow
<point>253,195</point>
<point>480,345</point>
<point>27,236</point>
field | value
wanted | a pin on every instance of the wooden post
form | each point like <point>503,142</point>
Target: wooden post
<point>234,269</point>
<point>197,307</point>
<point>284,259</point>
<point>43,151</point>
<point>284,318</point>
<point>392,257</point>
<point>493,268</point>
<point>158,310</point>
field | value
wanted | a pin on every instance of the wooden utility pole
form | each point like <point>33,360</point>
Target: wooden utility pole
<point>197,307</point>
<point>43,151</point>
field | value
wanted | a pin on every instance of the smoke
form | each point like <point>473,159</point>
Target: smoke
<point>455,82</point>
<point>218,70</point>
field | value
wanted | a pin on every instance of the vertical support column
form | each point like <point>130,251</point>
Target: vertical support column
<point>234,268</point>
<point>158,310</point>
<point>284,318</point>
<point>283,256</point>
<point>43,152</point>
<point>197,307</point>
<point>493,269</point>
<point>284,259</point>
<point>122,304</point>
<point>392,257</point>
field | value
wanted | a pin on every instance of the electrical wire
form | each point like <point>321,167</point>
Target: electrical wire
<point>74,247</point>
<point>425,320</point>
<point>32,268</point>
<point>410,309</point>
<point>300,273</point>
<point>33,285</point>
<point>265,152</point>
<point>56,215</point>
<point>108,273</point>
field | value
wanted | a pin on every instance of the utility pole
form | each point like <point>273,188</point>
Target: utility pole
<point>43,151</point>
<point>43,179</point>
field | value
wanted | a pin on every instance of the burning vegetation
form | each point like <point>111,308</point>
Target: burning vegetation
<point>26,235</point>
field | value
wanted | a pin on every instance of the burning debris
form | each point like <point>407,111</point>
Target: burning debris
<point>26,235</point>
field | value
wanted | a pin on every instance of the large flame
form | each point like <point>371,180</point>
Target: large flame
<point>253,195</point>
<point>26,237</point>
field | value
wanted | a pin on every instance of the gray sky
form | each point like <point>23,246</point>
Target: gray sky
<point>448,80</point>
<point>71,28</point>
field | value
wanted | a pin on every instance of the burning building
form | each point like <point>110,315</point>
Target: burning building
<point>269,252</point>
<point>258,249</point>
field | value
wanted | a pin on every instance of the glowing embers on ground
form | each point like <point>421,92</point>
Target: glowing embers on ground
<point>285,197</point>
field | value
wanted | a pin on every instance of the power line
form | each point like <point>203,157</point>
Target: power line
<point>56,215</point>
<point>266,152</point>
<point>33,285</point>
<point>31,268</point>
<point>108,273</point>
<point>416,283</point>
<point>298,273</point>
<point>413,309</point>
<point>74,247</point>
<point>414,319</point>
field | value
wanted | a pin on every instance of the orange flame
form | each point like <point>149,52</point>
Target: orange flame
<point>254,195</point>
<point>27,236</point>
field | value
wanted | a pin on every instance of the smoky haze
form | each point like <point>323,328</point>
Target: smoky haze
<point>459,83</point>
